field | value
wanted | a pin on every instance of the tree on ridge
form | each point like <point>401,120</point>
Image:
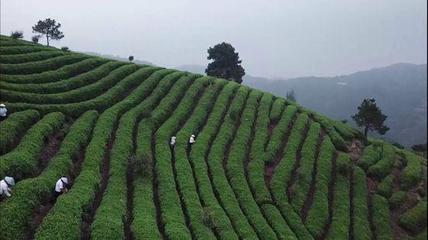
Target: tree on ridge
<point>226,63</point>
<point>49,28</point>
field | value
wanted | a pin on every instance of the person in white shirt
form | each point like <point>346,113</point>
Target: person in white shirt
<point>192,139</point>
<point>3,111</point>
<point>5,186</point>
<point>173,140</point>
<point>61,186</point>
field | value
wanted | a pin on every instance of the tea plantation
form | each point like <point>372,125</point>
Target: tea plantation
<point>261,167</point>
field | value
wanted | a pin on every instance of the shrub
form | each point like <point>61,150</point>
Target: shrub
<point>65,49</point>
<point>412,173</point>
<point>17,35</point>
<point>35,39</point>
<point>371,155</point>
<point>397,199</point>
<point>277,108</point>
<point>415,219</point>
<point>385,187</point>
<point>384,166</point>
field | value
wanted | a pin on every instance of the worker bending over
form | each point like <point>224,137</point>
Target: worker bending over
<point>192,139</point>
<point>5,187</point>
<point>61,186</point>
<point>173,140</point>
<point>3,112</point>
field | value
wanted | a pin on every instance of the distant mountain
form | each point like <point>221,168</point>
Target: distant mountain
<point>400,90</point>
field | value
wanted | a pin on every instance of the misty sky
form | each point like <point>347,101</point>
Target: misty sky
<point>275,38</point>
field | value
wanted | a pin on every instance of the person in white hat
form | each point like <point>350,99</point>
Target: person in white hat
<point>192,139</point>
<point>173,140</point>
<point>61,186</point>
<point>3,111</point>
<point>5,186</point>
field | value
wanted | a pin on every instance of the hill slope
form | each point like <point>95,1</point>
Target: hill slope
<point>399,89</point>
<point>261,167</point>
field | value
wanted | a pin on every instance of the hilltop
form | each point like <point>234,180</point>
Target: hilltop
<point>261,167</point>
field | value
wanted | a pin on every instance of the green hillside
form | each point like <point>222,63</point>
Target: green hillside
<point>261,167</point>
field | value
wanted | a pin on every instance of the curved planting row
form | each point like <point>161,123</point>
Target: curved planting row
<point>6,50</point>
<point>360,217</point>
<point>17,210</point>
<point>261,167</point>
<point>144,222</point>
<point>61,73</point>
<point>121,152</point>
<point>173,216</point>
<point>93,75</point>
<point>185,177</point>
<point>30,57</point>
<point>412,174</point>
<point>307,164</point>
<point>101,102</point>
<point>371,155</point>
<point>281,130</point>
<point>282,177</point>
<point>341,219</point>
<point>105,223</point>
<point>318,214</point>
<point>385,164</point>
<point>68,210</point>
<point>256,165</point>
<point>214,213</point>
<point>13,127</point>
<point>76,95</point>
<point>216,157</point>
<point>22,161</point>
<point>234,164</point>
<point>50,64</point>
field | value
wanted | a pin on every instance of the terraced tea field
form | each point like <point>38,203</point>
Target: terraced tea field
<point>261,167</point>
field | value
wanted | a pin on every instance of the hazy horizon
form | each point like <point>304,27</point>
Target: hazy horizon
<point>275,39</point>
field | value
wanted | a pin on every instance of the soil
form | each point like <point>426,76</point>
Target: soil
<point>52,145</point>
<point>38,216</point>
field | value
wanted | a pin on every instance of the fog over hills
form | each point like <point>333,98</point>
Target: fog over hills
<point>400,90</point>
